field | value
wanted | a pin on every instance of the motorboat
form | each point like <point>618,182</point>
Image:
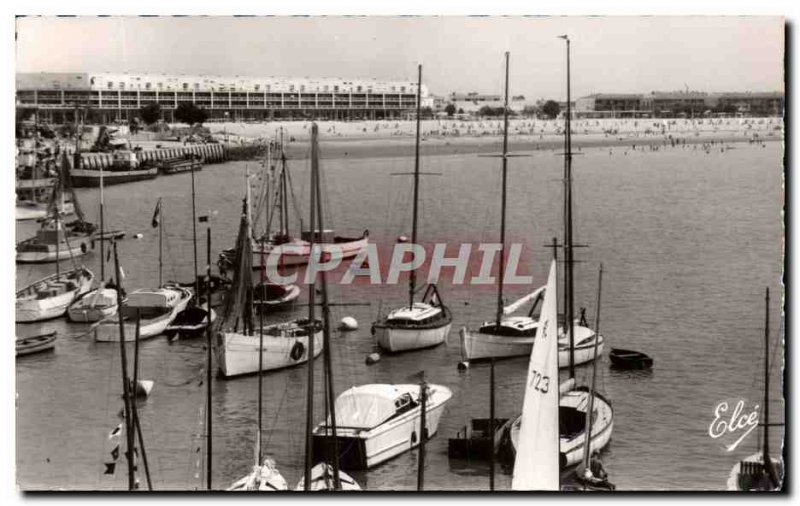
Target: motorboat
<point>377,422</point>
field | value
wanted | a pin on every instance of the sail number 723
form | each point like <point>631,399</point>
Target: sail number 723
<point>539,382</point>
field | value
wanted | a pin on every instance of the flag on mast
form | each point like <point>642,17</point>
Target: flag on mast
<point>156,214</point>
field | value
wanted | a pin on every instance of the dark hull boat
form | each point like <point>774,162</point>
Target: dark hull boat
<point>190,323</point>
<point>474,442</point>
<point>629,359</point>
<point>271,296</point>
<point>36,344</point>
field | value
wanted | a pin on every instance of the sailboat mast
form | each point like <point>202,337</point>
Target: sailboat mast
<point>262,308</point>
<point>588,427</point>
<point>160,252</point>
<point>194,240</point>
<point>208,360</point>
<point>326,351</point>
<point>102,228</point>
<point>503,203</point>
<point>125,385</point>
<point>423,398</point>
<point>412,279</point>
<point>58,242</point>
<point>767,460</point>
<point>309,458</point>
<point>569,300</point>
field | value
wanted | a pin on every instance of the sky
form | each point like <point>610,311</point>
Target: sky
<point>458,54</point>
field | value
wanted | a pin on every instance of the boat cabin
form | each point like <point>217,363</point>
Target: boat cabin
<point>369,406</point>
<point>515,326</point>
<point>150,304</point>
<point>419,316</point>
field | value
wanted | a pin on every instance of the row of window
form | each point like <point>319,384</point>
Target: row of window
<point>257,87</point>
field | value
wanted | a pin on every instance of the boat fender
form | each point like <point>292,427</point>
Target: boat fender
<point>297,351</point>
<point>348,323</point>
<point>83,247</point>
<point>373,358</point>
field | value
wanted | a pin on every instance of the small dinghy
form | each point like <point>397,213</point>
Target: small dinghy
<point>629,359</point>
<point>322,480</point>
<point>271,296</point>
<point>36,344</point>
<point>190,323</point>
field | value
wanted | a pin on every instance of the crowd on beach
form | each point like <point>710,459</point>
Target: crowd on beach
<point>749,129</point>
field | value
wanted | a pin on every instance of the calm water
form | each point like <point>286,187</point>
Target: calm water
<point>688,241</point>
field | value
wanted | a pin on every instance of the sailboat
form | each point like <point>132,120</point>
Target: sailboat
<point>154,309</point>
<point>510,336</point>
<point>56,240</point>
<point>418,324</point>
<point>101,302</point>
<point>325,474</point>
<point>192,321</point>
<point>34,183</point>
<point>50,297</point>
<point>760,471</point>
<point>295,251</point>
<point>239,348</point>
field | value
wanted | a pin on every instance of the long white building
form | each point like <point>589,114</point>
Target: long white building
<point>120,96</point>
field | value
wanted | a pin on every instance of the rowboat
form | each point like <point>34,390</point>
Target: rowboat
<point>94,306</point>
<point>629,359</point>
<point>51,296</point>
<point>272,296</point>
<point>36,344</point>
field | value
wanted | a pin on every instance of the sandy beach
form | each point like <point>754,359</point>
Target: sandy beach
<point>443,137</point>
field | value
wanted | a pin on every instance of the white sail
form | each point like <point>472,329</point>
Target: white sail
<point>537,462</point>
<point>521,302</point>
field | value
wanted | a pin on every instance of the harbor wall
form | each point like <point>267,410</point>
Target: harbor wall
<point>211,153</point>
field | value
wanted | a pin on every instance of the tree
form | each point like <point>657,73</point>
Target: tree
<point>450,109</point>
<point>460,110</point>
<point>530,111</point>
<point>551,109</point>
<point>426,113</point>
<point>151,113</point>
<point>190,114</point>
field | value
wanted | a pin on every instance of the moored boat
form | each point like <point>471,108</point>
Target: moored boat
<point>125,168</point>
<point>322,479</point>
<point>36,344</point>
<point>155,308</point>
<point>273,296</point>
<point>191,322</point>
<point>629,359</point>
<point>377,422</point>
<point>51,296</point>
<point>263,478</point>
<point>94,306</point>
<point>178,164</point>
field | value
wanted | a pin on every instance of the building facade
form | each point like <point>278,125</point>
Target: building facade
<point>120,96</point>
<point>680,103</point>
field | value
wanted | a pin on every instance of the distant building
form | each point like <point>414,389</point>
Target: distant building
<point>609,105</point>
<point>670,103</point>
<point>761,104</point>
<point>471,103</point>
<point>120,96</point>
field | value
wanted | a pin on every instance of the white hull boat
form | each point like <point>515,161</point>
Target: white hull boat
<point>284,345</point>
<point>94,306</point>
<point>53,244</point>
<point>377,422</point>
<point>298,251</point>
<point>322,480</point>
<point>30,210</point>
<point>572,407</point>
<point>477,345</point>
<point>51,296</point>
<point>422,326</point>
<point>156,310</point>
<point>264,478</point>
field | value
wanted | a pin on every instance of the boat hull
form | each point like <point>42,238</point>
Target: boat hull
<point>238,353</point>
<point>480,346</point>
<point>51,255</point>
<point>298,252</point>
<point>33,310</point>
<point>364,449</point>
<point>27,210</point>
<point>395,339</point>
<point>88,178</point>
<point>85,311</point>
<point>35,344</point>
<point>572,446</point>
<point>107,331</point>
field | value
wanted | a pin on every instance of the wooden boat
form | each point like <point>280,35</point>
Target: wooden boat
<point>36,344</point>
<point>56,240</point>
<point>34,186</point>
<point>629,359</point>
<point>760,471</point>
<point>178,164</point>
<point>51,296</point>
<point>239,344</point>
<point>94,306</point>
<point>125,168</point>
<point>377,422</point>
<point>273,296</point>
<point>155,308</point>
<point>190,323</point>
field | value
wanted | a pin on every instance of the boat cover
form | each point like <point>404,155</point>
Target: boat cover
<point>366,406</point>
